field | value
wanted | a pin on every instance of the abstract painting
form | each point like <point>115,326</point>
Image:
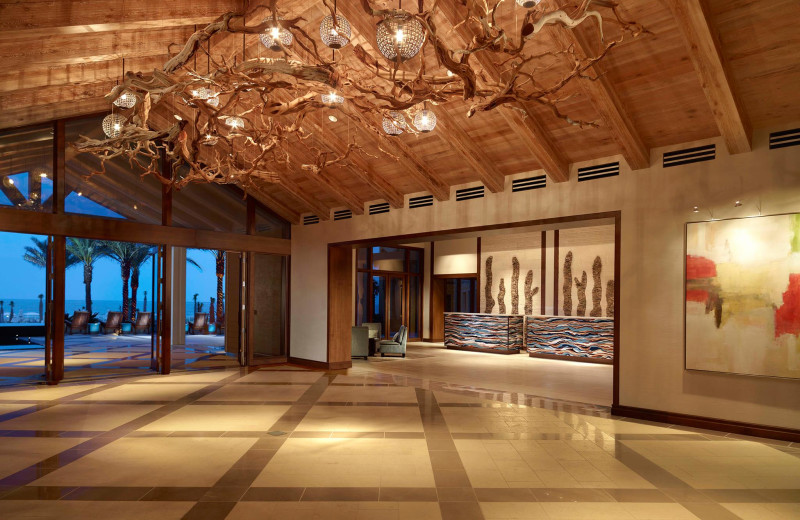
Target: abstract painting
<point>743,296</point>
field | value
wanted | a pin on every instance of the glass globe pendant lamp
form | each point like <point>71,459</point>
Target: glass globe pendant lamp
<point>112,125</point>
<point>332,99</point>
<point>425,121</point>
<point>276,37</point>
<point>394,123</point>
<point>235,122</point>
<point>335,37</point>
<point>528,4</point>
<point>400,37</point>
<point>125,100</point>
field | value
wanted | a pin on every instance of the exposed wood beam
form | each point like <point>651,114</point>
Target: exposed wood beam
<point>318,208</point>
<point>705,51</point>
<point>604,98</point>
<point>344,195</point>
<point>526,128</point>
<point>491,177</point>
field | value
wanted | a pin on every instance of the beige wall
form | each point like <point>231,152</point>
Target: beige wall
<point>654,203</point>
<point>503,248</point>
<point>455,256</point>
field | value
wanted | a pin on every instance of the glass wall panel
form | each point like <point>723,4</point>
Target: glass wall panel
<point>26,168</point>
<point>415,260</point>
<point>396,304</point>
<point>362,261</point>
<point>379,300</point>
<point>270,225</point>
<point>362,298</point>
<point>413,306</point>
<point>215,207</point>
<point>388,259</point>
<point>120,192</point>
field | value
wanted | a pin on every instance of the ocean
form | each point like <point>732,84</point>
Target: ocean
<point>27,310</point>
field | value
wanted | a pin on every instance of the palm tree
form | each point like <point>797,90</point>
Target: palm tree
<point>87,252</point>
<point>37,254</point>
<point>126,253</point>
<point>140,257</point>
<point>41,308</point>
<point>219,258</point>
<point>195,302</point>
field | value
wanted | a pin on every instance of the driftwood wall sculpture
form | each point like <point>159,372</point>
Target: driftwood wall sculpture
<point>580,286</point>
<point>514,286</point>
<point>501,296</point>
<point>566,289</point>
<point>610,299</point>
<point>487,291</point>
<point>530,292</point>
<point>597,288</point>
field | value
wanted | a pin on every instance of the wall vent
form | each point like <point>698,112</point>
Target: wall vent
<point>420,202</point>
<point>601,171</point>
<point>470,193</point>
<point>690,155</point>
<point>310,219</point>
<point>342,214</point>
<point>377,209</point>
<point>531,183</point>
<point>784,139</point>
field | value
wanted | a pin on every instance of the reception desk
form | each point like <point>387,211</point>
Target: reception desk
<point>495,333</point>
<point>576,338</point>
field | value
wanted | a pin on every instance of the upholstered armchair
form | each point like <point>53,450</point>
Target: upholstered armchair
<point>397,345</point>
<point>374,330</point>
<point>359,342</point>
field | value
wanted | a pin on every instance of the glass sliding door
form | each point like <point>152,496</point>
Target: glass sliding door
<point>379,302</point>
<point>267,312</point>
<point>397,304</point>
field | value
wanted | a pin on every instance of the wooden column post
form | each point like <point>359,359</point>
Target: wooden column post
<point>340,294</point>
<point>59,269</point>
<point>165,363</point>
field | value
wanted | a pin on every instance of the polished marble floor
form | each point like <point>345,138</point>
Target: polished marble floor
<point>371,442</point>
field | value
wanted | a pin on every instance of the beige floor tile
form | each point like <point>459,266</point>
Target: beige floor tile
<point>369,378</point>
<point>21,361</point>
<point>18,453</point>
<point>452,397</point>
<point>513,511</point>
<point>108,355</point>
<point>198,417</point>
<point>765,511</point>
<point>655,511</point>
<point>44,393</point>
<point>349,463</point>
<point>199,376</point>
<point>233,392</point>
<point>174,461</point>
<point>71,362</point>
<point>280,376</point>
<point>336,511</point>
<point>613,426</point>
<point>362,419</point>
<point>139,392</point>
<point>369,394</point>
<point>8,408</point>
<point>79,417</point>
<point>80,510</point>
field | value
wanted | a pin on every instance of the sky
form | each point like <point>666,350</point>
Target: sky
<point>22,280</point>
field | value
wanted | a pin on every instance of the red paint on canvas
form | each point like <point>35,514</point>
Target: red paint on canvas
<point>787,316</point>
<point>696,295</point>
<point>700,267</point>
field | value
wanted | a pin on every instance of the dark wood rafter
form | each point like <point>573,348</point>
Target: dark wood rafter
<point>716,78</point>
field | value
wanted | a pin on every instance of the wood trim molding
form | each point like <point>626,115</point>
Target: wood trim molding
<point>555,272</point>
<point>705,50</point>
<point>543,282</point>
<point>708,423</point>
<point>573,359</point>
<point>82,226</point>
<point>320,364</point>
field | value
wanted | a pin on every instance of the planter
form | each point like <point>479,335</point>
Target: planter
<point>94,328</point>
<point>126,328</point>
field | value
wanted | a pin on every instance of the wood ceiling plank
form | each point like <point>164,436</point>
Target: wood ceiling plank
<point>705,50</point>
<point>278,206</point>
<point>527,128</point>
<point>604,98</point>
<point>318,208</point>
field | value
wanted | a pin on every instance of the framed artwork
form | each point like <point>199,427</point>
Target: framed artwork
<point>742,290</point>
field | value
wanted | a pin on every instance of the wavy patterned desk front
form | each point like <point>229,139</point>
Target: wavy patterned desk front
<point>496,333</point>
<point>577,338</point>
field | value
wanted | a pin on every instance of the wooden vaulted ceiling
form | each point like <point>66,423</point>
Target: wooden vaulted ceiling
<point>707,68</point>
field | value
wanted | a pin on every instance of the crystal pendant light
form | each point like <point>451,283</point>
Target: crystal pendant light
<point>332,99</point>
<point>528,4</point>
<point>400,37</point>
<point>394,123</point>
<point>125,100</point>
<point>425,121</point>
<point>112,125</point>
<point>235,122</point>
<point>335,37</point>
<point>276,37</point>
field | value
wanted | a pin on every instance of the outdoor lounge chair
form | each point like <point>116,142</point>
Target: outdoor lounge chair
<point>79,323</point>
<point>397,345</point>
<point>112,323</point>
<point>142,325</point>
<point>200,323</point>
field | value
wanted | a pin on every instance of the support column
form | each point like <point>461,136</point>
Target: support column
<point>178,271</point>
<point>340,293</point>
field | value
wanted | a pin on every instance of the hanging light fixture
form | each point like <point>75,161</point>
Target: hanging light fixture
<point>394,123</point>
<point>210,140</point>
<point>336,36</point>
<point>425,120</point>
<point>400,37</point>
<point>528,4</point>
<point>332,99</point>
<point>235,122</point>
<point>126,100</point>
<point>112,125</point>
<point>276,37</point>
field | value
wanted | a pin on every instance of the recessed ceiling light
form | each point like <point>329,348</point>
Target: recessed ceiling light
<point>695,209</point>
<point>333,118</point>
<point>737,204</point>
